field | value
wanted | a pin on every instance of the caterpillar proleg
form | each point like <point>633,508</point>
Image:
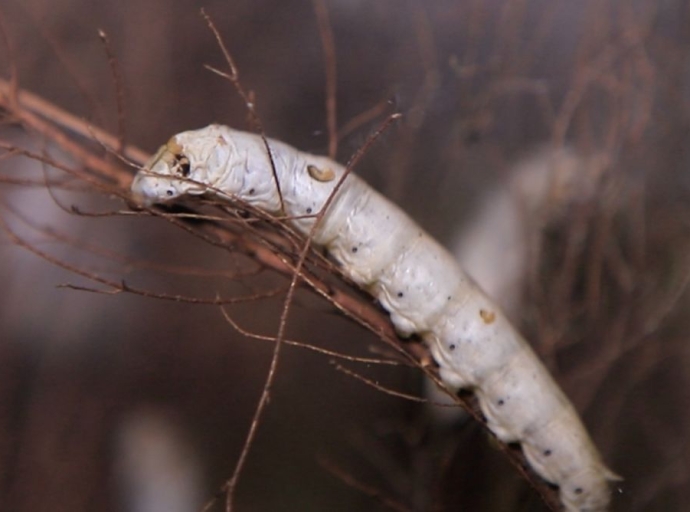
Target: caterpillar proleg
<point>413,277</point>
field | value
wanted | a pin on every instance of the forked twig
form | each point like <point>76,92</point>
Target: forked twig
<point>234,78</point>
<point>296,276</point>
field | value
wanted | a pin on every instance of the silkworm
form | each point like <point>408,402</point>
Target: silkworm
<point>413,277</point>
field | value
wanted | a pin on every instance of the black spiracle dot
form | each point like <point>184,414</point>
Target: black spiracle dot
<point>169,193</point>
<point>578,490</point>
<point>547,453</point>
<point>308,210</point>
<point>451,346</point>
<point>354,249</point>
<point>400,294</point>
<point>251,191</point>
<point>501,402</point>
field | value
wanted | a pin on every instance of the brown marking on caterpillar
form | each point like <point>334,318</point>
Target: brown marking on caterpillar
<point>326,174</point>
<point>173,155</point>
<point>174,147</point>
<point>488,316</point>
<point>168,153</point>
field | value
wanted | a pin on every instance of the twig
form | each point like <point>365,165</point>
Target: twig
<point>314,348</point>
<point>379,387</point>
<point>366,489</point>
<point>330,66</point>
<point>119,89</point>
<point>30,103</point>
<point>234,78</point>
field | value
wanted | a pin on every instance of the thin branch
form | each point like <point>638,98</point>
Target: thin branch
<point>307,346</point>
<point>363,118</point>
<point>366,489</point>
<point>119,89</point>
<point>11,87</point>
<point>379,387</point>
<point>330,66</point>
<point>30,103</point>
<point>234,78</point>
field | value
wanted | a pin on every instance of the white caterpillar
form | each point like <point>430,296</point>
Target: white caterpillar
<point>415,279</point>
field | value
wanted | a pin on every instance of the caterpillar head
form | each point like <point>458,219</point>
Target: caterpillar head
<point>186,165</point>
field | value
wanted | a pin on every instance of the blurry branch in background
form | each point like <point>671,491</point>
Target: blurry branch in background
<point>268,243</point>
<point>328,47</point>
<point>75,136</point>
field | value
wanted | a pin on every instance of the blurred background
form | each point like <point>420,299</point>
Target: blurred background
<point>546,142</point>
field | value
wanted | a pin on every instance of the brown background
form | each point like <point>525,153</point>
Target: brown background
<point>481,84</point>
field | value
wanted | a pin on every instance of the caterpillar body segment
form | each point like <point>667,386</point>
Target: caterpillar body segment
<point>413,277</point>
